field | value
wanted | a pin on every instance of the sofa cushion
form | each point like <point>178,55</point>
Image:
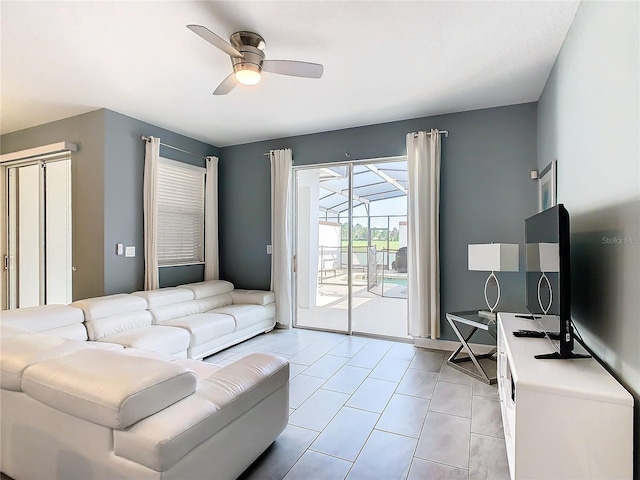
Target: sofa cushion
<point>252,297</point>
<point>158,442</point>
<point>217,301</point>
<point>136,352</point>
<point>105,345</point>
<point>114,314</point>
<point>8,331</point>
<point>108,388</point>
<point>120,323</point>
<point>200,368</point>
<point>157,338</point>
<point>47,317</point>
<point>209,288</point>
<point>103,307</point>
<point>77,331</point>
<point>19,352</point>
<point>177,310</point>
<point>204,327</point>
<point>245,315</point>
<point>165,296</point>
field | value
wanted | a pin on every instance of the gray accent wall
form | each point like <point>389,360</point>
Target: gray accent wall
<point>123,185</point>
<point>107,176</point>
<point>588,119</point>
<point>87,167</point>
<point>486,193</point>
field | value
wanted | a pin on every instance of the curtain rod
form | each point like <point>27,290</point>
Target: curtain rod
<point>440,132</point>
<point>146,139</point>
<point>415,134</point>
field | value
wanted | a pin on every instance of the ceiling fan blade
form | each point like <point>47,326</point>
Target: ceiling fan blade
<point>293,68</point>
<point>227,85</point>
<point>215,40</point>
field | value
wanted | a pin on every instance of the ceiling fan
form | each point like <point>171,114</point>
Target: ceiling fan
<point>247,58</point>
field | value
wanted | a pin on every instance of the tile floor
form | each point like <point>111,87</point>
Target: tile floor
<point>364,408</point>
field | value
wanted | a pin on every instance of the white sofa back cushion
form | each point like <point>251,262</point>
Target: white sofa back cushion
<point>217,301</point>
<point>19,352</point>
<point>106,387</point>
<point>102,307</point>
<point>209,288</point>
<point>124,322</point>
<point>165,296</point>
<point>60,320</point>
<point>114,314</point>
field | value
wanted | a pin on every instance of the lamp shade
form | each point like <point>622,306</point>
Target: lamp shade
<point>494,257</point>
<point>543,257</point>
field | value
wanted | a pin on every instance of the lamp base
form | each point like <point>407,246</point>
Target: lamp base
<point>487,314</point>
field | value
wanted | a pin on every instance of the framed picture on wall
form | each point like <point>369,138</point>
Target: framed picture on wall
<point>548,186</point>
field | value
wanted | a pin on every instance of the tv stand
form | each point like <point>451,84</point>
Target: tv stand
<point>562,420</point>
<point>561,356</point>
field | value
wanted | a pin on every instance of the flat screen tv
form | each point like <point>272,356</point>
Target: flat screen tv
<point>548,277</point>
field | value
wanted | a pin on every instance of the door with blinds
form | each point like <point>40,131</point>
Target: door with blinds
<point>39,258</point>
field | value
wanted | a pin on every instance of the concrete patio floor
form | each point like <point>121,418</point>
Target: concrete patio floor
<point>372,313</point>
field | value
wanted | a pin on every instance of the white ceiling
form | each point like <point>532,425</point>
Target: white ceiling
<point>383,61</point>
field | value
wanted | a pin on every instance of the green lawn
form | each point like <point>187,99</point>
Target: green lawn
<point>380,244</point>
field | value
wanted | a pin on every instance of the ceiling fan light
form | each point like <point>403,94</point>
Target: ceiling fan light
<point>248,76</point>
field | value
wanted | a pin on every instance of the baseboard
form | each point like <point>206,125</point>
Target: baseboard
<point>450,345</point>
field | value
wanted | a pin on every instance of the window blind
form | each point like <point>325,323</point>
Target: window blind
<point>180,213</point>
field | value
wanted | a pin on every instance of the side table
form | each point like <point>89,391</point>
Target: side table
<point>474,320</point>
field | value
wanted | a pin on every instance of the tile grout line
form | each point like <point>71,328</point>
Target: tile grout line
<point>438,378</point>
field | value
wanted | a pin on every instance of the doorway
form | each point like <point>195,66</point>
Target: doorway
<point>38,219</point>
<point>350,237</point>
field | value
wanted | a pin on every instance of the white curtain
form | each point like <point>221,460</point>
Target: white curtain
<point>211,262</point>
<point>150,207</point>
<point>423,252</point>
<point>281,271</point>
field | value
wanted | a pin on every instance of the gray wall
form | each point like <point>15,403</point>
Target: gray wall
<point>486,193</point>
<point>123,215</point>
<point>87,131</point>
<point>107,176</point>
<point>588,119</point>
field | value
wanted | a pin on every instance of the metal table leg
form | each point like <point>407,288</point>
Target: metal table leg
<point>455,362</point>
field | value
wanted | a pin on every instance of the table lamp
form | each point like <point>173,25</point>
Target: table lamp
<point>493,257</point>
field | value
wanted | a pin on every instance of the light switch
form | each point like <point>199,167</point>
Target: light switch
<point>130,252</point>
<point>119,249</point>
<point>268,249</point>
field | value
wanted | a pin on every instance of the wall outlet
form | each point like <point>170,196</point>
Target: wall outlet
<point>268,249</point>
<point>130,252</point>
<point>119,249</point>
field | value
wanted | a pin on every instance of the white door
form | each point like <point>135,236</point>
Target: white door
<point>39,233</point>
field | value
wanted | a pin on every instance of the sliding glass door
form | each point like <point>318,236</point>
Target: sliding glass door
<point>322,274</point>
<point>350,237</point>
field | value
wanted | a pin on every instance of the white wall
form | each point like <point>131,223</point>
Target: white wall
<point>588,119</point>
<point>307,208</point>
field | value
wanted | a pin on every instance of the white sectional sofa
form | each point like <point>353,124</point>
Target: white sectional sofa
<point>214,314</point>
<point>103,388</point>
<point>190,321</point>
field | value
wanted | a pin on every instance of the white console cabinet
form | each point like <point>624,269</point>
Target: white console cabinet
<point>562,418</point>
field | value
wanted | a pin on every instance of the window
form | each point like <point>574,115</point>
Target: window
<point>180,213</point>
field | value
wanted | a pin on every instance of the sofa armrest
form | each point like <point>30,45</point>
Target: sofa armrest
<point>252,297</point>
